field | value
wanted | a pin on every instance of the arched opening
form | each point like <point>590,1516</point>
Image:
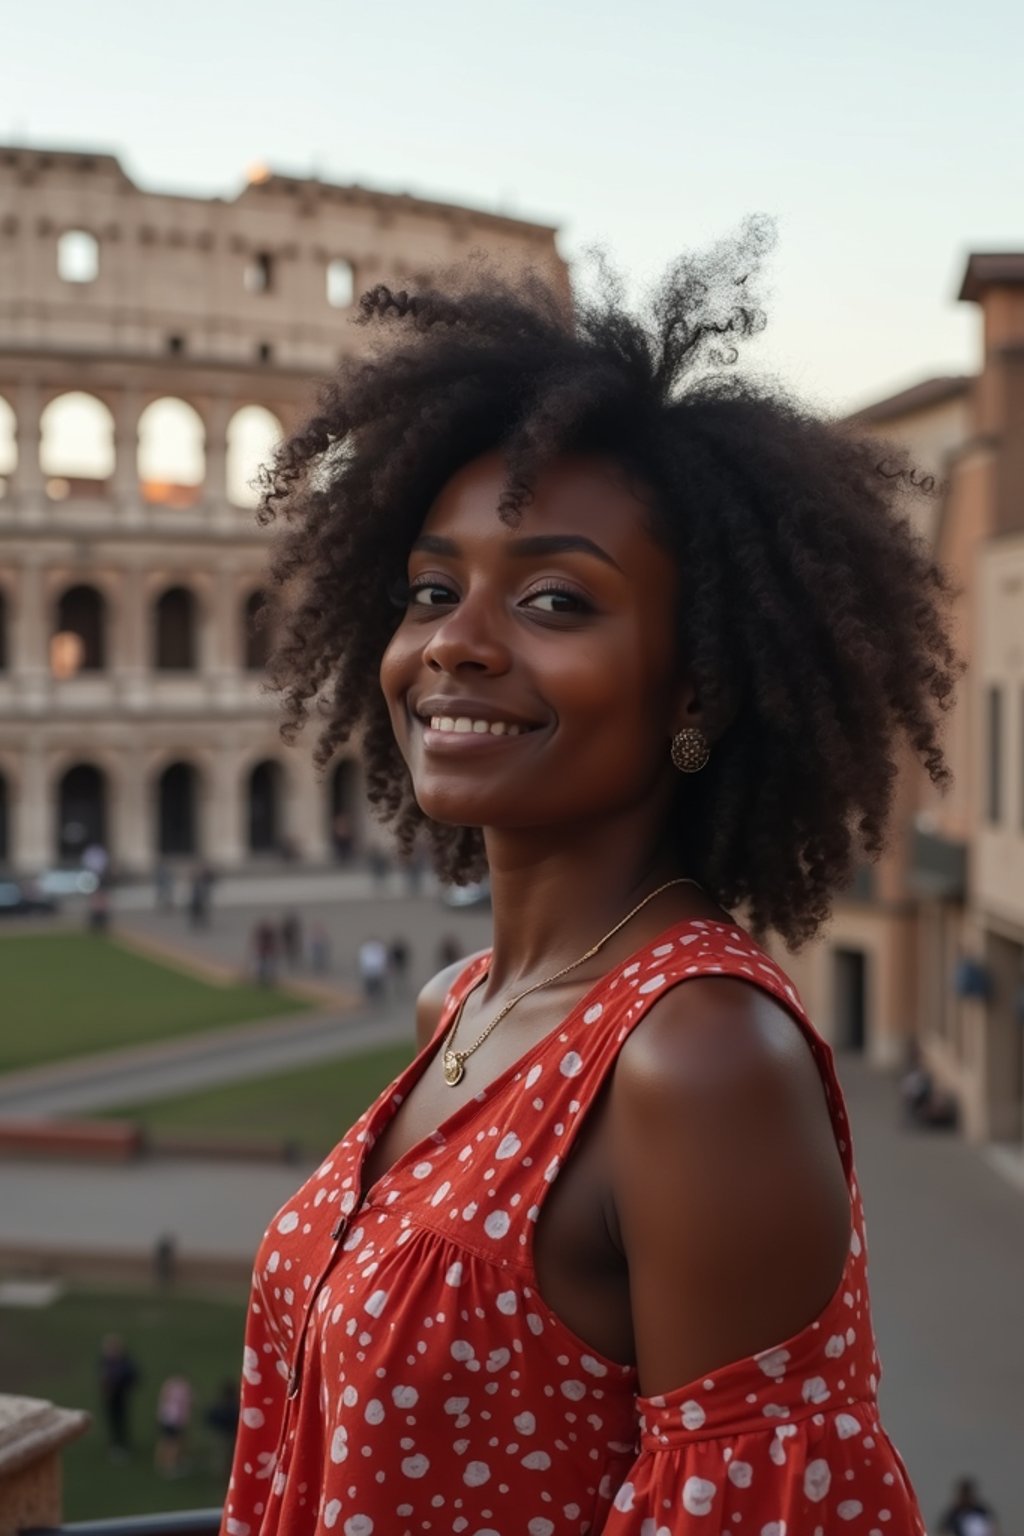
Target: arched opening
<point>253,434</point>
<point>266,795</point>
<point>341,283</point>
<point>342,800</point>
<point>80,613</point>
<point>177,807</point>
<point>172,453</point>
<point>76,446</point>
<point>175,648</point>
<point>8,446</point>
<point>81,811</point>
<point>3,632</point>
<point>78,257</point>
<point>4,820</point>
<point>257,631</point>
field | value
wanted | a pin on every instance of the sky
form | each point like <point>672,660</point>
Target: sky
<point>885,138</point>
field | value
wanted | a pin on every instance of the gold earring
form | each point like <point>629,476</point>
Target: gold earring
<point>690,749</point>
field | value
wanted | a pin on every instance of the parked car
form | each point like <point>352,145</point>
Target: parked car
<point>65,882</point>
<point>19,900</point>
<point>476,894</point>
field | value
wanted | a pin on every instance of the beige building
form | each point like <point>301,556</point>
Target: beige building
<point>152,349</point>
<point>930,943</point>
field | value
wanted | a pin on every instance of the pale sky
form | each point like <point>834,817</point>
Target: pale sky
<point>885,137</point>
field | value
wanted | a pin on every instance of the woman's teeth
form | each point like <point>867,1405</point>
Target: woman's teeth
<point>463,725</point>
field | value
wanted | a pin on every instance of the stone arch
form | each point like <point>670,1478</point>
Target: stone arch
<point>175,631</point>
<point>8,445</point>
<point>171,457</point>
<point>82,810</point>
<point>178,789</point>
<point>253,433</point>
<point>78,256</point>
<point>257,632</point>
<point>344,794</point>
<point>76,446</point>
<point>265,797</point>
<point>81,611</point>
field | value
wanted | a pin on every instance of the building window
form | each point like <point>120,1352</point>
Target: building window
<point>78,257</point>
<point>265,352</point>
<point>259,273</point>
<point>175,649</point>
<point>257,633</point>
<point>175,345</point>
<point>78,643</point>
<point>994,736</point>
<point>341,283</point>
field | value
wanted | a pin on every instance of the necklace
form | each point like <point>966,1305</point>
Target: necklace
<point>453,1062</point>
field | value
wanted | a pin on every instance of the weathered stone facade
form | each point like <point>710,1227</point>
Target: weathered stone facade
<point>151,349</point>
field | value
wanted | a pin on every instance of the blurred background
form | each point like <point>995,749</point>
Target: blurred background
<point>208,954</point>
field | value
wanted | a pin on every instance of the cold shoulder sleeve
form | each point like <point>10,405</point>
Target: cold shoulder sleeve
<point>713,1461</point>
<point>262,1397</point>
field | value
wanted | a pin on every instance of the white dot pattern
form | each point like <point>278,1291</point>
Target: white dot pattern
<point>402,1373</point>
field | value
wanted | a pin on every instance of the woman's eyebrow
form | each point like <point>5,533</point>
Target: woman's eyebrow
<point>529,548</point>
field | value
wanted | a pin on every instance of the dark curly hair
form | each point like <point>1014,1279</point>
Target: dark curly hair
<point>812,617</point>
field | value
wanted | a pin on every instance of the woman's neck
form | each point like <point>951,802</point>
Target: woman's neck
<point>556,894</point>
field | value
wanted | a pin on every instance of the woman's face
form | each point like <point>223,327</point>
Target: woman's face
<point>533,680</point>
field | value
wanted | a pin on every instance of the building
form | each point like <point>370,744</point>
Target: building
<point>152,349</point>
<point>929,945</point>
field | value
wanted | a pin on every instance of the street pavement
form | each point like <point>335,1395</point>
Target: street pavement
<point>945,1230</point>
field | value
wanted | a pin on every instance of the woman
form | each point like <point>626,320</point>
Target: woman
<point>595,1262</point>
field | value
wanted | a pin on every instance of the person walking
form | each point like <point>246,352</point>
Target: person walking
<point>291,940</point>
<point>264,943</point>
<point>968,1515</point>
<point>373,968</point>
<point>173,1414</point>
<point>118,1378</point>
<point>595,1261</point>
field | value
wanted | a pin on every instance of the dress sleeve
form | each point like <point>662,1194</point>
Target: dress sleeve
<point>264,1388</point>
<point>821,1472</point>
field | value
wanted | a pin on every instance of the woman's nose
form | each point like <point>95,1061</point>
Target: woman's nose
<point>469,637</point>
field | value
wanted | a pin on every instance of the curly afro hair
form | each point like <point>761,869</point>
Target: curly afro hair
<point>812,618</point>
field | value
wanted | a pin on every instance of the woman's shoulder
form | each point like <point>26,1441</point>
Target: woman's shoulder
<point>435,993</point>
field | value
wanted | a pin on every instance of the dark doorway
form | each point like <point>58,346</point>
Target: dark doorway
<point>176,809</point>
<point>850,982</point>
<point>176,631</point>
<point>3,633</point>
<point>81,811</point>
<point>265,792</point>
<point>80,612</point>
<point>4,821</point>
<point>341,809</point>
<point>257,632</point>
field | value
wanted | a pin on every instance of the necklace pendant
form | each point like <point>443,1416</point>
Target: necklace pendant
<point>454,1071</point>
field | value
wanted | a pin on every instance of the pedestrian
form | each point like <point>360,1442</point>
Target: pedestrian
<point>663,636</point>
<point>380,866</point>
<point>199,896</point>
<point>264,945</point>
<point>163,885</point>
<point>398,964</point>
<point>448,951</point>
<point>173,1413</point>
<point>968,1515</point>
<point>319,949</point>
<point>291,940</point>
<point>99,910</point>
<point>96,860</point>
<point>222,1418</point>
<point>373,968</point>
<point>118,1378</point>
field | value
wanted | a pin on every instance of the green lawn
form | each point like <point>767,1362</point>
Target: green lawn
<point>67,994</point>
<point>52,1353</point>
<point>312,1107</point>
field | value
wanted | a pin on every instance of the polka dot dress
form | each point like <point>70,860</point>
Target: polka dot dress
<point>402,1374</point>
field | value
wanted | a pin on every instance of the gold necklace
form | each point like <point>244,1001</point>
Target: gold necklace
<point>454,1062</point>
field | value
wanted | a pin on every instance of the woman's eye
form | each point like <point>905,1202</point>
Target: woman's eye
<point>557,600</point>
<point>430,594</point>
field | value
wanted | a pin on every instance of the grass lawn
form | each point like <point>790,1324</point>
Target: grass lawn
<point>312,1107</point>
<point>67,994</point>
<point>52,1353</point>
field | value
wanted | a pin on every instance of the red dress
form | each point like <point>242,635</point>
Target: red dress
<point>403,1375</point>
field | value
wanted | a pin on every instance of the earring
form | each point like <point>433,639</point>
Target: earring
<point>690,750</point>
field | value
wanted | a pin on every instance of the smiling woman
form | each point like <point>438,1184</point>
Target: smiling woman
<point>643,640</point>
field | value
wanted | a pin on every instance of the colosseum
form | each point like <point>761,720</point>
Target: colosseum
<point>152,349</point>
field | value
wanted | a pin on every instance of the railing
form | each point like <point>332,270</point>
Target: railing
<point>185,1522</point>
